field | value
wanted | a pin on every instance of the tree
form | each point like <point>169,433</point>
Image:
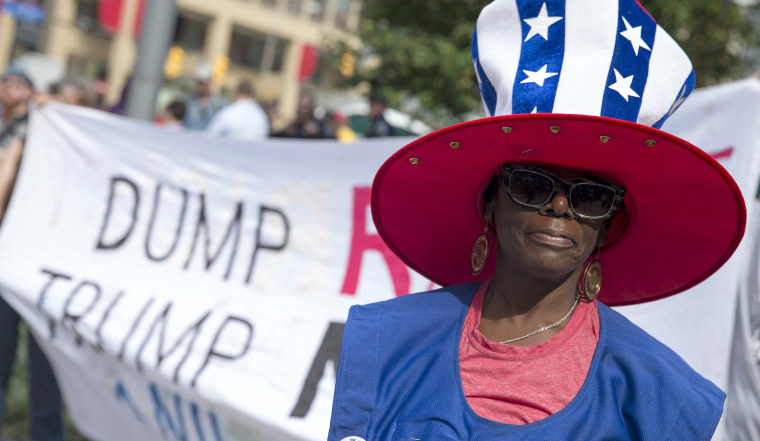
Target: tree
<point>419,50</point>
<point>714,33</point>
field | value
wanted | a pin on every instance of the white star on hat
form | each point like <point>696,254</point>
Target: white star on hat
<point>634,36</point>
<point>538,76</point>
<point>540,25</point>
<point>623,85</point>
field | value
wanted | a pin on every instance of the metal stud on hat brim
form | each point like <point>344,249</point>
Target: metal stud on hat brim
<point>429,215</point>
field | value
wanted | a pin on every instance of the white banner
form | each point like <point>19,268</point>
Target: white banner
<point>189,288</point>
<point>192,288</point>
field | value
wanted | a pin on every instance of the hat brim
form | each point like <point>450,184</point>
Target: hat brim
<point>683,217</point>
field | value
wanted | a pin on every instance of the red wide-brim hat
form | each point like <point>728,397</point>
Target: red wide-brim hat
<point>580,86</point>
<point>682,217</point>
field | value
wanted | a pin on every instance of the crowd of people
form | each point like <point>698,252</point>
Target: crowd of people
<point>204,110</point>
<point>244,118</point>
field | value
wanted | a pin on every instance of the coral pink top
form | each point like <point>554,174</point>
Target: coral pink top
<point>523,384</point>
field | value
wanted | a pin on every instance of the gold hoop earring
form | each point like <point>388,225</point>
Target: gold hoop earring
<point>479,253</point>
<point>590,284</point>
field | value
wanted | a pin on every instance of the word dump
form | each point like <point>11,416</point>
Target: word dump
<point>190,224</point>
<point>89,309</point>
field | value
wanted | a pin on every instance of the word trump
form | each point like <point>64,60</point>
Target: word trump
<point>143,330</point>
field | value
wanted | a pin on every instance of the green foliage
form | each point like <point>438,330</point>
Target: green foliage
<point>432,67</point>
<point>420,49</point>
<point>713,33</point>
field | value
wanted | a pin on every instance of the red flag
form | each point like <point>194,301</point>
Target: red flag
<point>109,13</point>
<point>309,62</point>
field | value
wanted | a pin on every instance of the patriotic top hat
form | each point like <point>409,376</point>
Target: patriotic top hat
<point>580,84</point>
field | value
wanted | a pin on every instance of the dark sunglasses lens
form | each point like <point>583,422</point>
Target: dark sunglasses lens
<point>592,200</point>
<point>530,188</point>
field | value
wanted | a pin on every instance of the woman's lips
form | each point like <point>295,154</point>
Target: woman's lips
<point>552,239</point>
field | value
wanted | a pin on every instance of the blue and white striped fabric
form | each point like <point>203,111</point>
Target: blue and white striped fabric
<point>591,57</point>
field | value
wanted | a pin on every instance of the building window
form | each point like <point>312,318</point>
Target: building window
<point>295,7</point>
<point>316,9</point>
<point>87,15</point>
<point>256,50</point>
<point>190,31</point>
<point>342,12</point>
<point>87,66</point>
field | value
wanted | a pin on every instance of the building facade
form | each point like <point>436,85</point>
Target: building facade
<point>274,43</point>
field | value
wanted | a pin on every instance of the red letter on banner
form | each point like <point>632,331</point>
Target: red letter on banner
<point>361,242</point>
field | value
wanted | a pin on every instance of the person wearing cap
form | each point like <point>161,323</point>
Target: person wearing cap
<point>204,104</point>
<point>17,91</point>
<point>518,216</point>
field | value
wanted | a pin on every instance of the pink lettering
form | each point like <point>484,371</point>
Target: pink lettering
<point>362,242</point>
<point>723,154</point>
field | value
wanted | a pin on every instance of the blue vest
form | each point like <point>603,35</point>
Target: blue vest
<point>398,379</point>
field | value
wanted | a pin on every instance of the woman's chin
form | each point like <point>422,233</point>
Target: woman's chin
<point>550,266</point>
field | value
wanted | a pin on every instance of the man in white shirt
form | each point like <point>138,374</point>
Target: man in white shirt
<point>243,119</point>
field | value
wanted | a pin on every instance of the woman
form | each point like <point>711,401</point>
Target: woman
<point>518,216</point>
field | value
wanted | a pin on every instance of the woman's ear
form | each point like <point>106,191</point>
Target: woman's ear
<point>489,199</point>
<point>488,211</point>
<point>601,237</point>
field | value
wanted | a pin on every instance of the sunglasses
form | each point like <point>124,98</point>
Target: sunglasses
<point>588,199</point>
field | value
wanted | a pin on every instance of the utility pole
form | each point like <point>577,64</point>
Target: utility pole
<point>157,30</point>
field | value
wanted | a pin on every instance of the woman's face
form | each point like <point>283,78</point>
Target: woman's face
<point>15,91</point>
<point>547,242</point>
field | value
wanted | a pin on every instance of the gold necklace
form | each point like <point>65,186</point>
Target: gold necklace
<point>546,328</point>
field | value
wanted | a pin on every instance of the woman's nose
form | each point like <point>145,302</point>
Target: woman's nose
<point>558,206</point>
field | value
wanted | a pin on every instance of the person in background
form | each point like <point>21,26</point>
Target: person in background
<point>202,106</point>
<point>101,88</point>
<point>339,125</point>
<point>75,91</point>
<point>378,126</point>
<point>1,101</point>
<point>45,398</point>
<point>17,93</point>
<point>306,124</point>
<point>243,119</point>
<point>120,108</point>
<point>173,115</point>
<point>70,90</point>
